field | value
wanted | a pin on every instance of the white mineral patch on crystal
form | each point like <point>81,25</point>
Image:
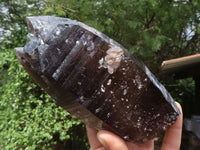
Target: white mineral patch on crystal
<point>103,88</point>
<point>125,92</point>
<point>58,32</point>
<point>66,41</point>
<point>108,115</point>
<point>110,70</point>
<point>42,42</point>
<point>126,137</point>
<point>139,83</point>
<point>138,124</point>
<point>81,98</point>
<point>77,42</point>
<point>112,60</point>
<point>109,82</point>
<point>98,110</point>
<point>101,63</point>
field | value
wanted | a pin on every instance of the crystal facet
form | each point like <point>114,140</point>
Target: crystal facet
<point>96,79</point>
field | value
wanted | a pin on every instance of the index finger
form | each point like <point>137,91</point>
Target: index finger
<point>92,136</point>
<point>172,139</point>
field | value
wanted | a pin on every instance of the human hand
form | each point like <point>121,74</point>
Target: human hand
<point>105,140</point>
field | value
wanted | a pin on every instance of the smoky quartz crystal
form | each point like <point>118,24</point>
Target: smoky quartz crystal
<point>96,79</point>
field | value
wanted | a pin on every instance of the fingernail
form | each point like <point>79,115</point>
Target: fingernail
<point>102,140</point>
<point>100,148</point>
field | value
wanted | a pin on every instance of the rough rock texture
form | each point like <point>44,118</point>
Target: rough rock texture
<point>96,79</point>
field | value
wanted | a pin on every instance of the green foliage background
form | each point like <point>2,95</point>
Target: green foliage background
<point>29,118</point>
<point>154,30</point>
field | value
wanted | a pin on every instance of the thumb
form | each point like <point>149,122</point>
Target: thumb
<point>111,141</point>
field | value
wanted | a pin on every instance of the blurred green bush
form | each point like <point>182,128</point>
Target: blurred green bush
<point>29,118</point>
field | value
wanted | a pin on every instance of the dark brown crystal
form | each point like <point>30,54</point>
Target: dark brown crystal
<point>96,79</point>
